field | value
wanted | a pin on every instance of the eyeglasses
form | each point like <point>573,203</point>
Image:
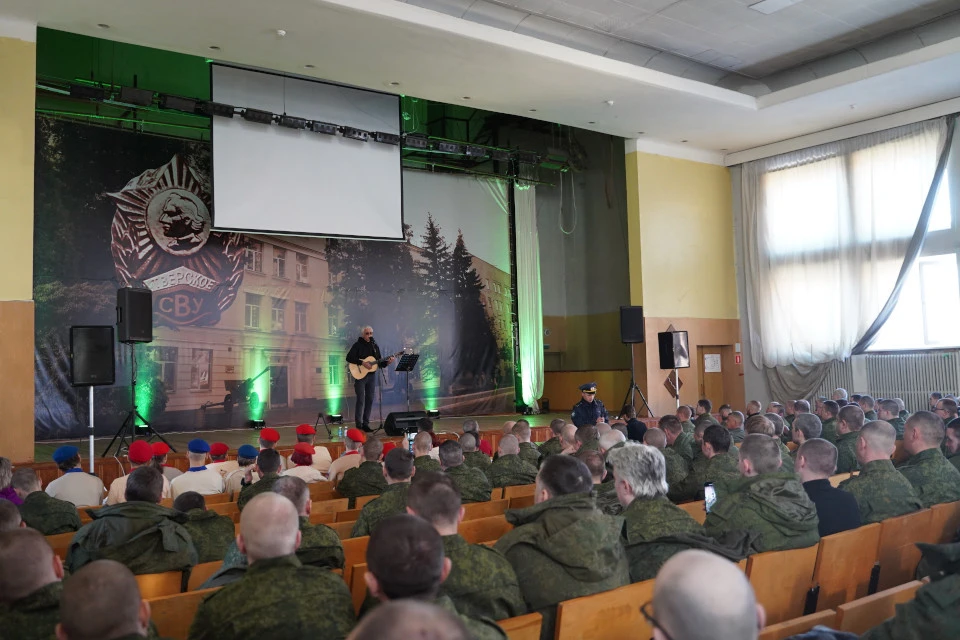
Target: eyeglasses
<point>653,621</point>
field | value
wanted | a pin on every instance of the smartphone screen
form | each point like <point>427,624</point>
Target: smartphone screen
<point>710,496</point>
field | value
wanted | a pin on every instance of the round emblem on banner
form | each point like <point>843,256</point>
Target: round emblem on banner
<point>178,221</point>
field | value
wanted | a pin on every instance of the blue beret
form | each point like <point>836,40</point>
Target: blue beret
<point>64,453</point>
<point>248,451</point>
<point>198,445</point>
<point>590,386</point>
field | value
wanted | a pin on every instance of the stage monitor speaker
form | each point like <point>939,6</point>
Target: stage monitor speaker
<point>400,422</point>
<point>134,315</point>
<point>631,325</point>
<point>91,356</point>
<point>674,350</point>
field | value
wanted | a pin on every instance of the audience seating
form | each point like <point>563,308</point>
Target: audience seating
<point>358,585</point>
<point>898,554</point>
<point>845,561</point>
<point>322,518</point>
<point>321,496</point>
<point>174,614</point>
<point>474,510</point>
<point>61,543</point>
<point>611,615</point>
<point>496,494</point>
<point>837,479</point>
<point>783,630</point>
<point>519,490</point>
<point>781,580</point>
<point>217,498</point>
<point>522,627</point>
<point>200,573</point>
<point>343,529</point>
<point>329,506</point>
<point>521,502</point>
<point>483,529</point>
<point>317,488</point>
<point>362,500</point>
<point>899,453</point>
<point>348,515</point>
<point>696,509</point>
<point>228,509</point>
<point>945,521</point>
<point>354,553</point>
<point>861,615</point>
<point>154,585</point>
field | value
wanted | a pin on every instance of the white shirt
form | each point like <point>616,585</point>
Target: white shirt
<point>118,489</point>
<point>224,468</point>
<point>349,460</point>
<point>232,481</point>
<point>321,460</point>
<point>82,489</point>
<point>205,482</point>
<point>307,474</point>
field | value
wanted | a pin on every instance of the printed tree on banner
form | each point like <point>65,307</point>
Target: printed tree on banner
<point>346,261</point>
<point>391,292</point>
<point>435,268</point>
<point>478,351</point>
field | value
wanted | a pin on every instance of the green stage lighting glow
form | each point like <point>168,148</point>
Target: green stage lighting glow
<point>143,394</point>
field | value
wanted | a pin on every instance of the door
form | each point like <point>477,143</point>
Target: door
<point>279,387</point>
<point>711,375</point>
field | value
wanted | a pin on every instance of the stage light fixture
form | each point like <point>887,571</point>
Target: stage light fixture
<point>528,157</point>
<point>355,134</point>
<point>256,115</point>
<point>500,154</point>
<point>178,104</point>
<point>473,151</point>
<point>449,147</point>
<point>292,122</point>
<point>140,97</point>
<point>433,413</point>
<point>335,418</point>
<point>416,141</point>
<point>324,127</point>
<point>86,92</point>
<point>386,138</point>
<point>218,109</point>
<point>257,424</point>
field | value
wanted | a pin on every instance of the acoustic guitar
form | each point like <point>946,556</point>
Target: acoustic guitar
<point>359,372</point>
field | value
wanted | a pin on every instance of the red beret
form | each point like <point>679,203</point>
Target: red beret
<point>305,448</point>
<point>388,447</point>
<point>269,435</point>
<point>356,435</point>
<point>160,448</point>
<point>140,451</point>
<point>219,449</point>
<point>306,430</point>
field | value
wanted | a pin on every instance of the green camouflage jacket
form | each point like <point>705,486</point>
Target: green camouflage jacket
<point>210,532</point>
<point>49,515</point>
<point>426,463</point>
<point>605,496</point>
<point>365,480</point>
<point>145,537</point>
<point>511,470</point>
<point>478,628</point>
<point>691,487</point>
<point>263,485</point>
<point>563,548</point>
<point>933,478</point>
<point>931,614</point>
<point>685,446</point>
<point>551,447</point>
<point>954,460</point>
<point>881,492</point>
<point>476,459</point>
<point>481,583</point>
<point>869,416</point>
<point>34,617</point>
<point>472,483</point>
<point>847,452</point>
<point>391,502</point>
<point>677,468</point>
<point>829,431</point>
<point>737,435</point>
<point>722,470</point>
<point>277,598</point>
<point>897,424</point>
<point>704,418</point>
<point>775,505</point>
<point>646,521</point>
<point>786,457</point>
<point>530,453</point>
<point>688,426</point>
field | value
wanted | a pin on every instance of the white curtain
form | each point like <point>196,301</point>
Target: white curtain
<point>529,303</point>
<point>826,232</point>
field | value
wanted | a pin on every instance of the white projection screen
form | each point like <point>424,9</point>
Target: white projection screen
<point>271,179</point>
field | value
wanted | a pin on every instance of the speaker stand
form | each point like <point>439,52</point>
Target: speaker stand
<point>635,389</point>
<point>90,402</point>
<point>129,427</point>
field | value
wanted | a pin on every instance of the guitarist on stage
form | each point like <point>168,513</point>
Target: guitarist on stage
<point>363,348</point>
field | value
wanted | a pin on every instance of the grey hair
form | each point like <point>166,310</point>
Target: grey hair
<point>6,472</point>
<point>471,425</point>
<point>642,467</point>
<point>841,392</point>
<point>808,424</point>
<point>611,439</point>
<point>468,442</point>
<point>509,444</point>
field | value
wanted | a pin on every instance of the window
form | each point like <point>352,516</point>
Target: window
<point>253,256</point>
<point>334,373</point>
<point>201,369</point>
<point>251,316</point>
<point>279,262</point>
<point>300,317</point>
<point>278,309</point>
<point>333,323</point>
<point>165,359</point>
<point>302,261</point>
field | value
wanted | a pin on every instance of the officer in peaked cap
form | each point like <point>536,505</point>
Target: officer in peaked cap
<point>590,409</point>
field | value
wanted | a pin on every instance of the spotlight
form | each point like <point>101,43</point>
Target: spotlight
<point>528,157</point>
<point>448,147</point>
<point>500,154</point>
<point>386,138</point>
<point>132,95</point>
<point>292,122</point>
<point>178,104</point>
<point>256,115</point>
<point>416,141</point>
<point>257,424</point>
<point>335,418</point>
<point>87,92</point>
<point>324,127</point>
<point>355,134</point>
<point>475,152</point>
<point>433,413</point>
<point>218,109</point>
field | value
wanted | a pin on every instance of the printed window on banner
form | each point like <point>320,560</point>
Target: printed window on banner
<point>278,312</point>
<point>251,316</point>
<point>279,262</point>
<point>302,262</point>
<point>201,369</point>
<point>165,363</point>
<point>253,256</point>
<point>300,317</point>
<point>334,366</point>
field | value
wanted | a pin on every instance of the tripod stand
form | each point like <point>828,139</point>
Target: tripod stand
<point>129,427</point>
<point>635,389</point>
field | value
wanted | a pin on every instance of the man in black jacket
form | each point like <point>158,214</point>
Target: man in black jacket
<point>816,462</point>
<point>364,347</point>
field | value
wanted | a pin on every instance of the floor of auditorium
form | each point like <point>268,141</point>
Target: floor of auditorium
<point>236,437</point>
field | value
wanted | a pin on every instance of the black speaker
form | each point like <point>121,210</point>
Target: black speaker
<point>631,325</point>
<point>401,422</point>
<point>91,355</point>
<point>674,350</point>
<point>134,315</point>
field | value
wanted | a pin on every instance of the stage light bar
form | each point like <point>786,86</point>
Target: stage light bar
<point>528,157</point>
<point>324,127</point>
<point>86,92</point>
<point>140,97</point>
<point>386,138</point>
<point>218,109</point>
<point>356,134</point>
<point>256,115</point>
<point>448,147</point>
<point>257,424</point>
<point>433,413</point>
<point>335,418</point>
<point>292,122</point>
<point>416,141</point>
<point>500,154</point>
<point>178,104</point>
<point>475,152</point>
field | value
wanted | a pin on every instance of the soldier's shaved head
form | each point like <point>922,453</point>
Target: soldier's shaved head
<point>809,425</point>
<point>586,433</point>
<point>850,418</point>
<point>451,455</point>
<point>655,437</point>
<point>509,445</point>
<point>683,412</point>
<point>269,528</point>
<point>670,424</point>
<point>268,461</point>
<point>372,449</point>
<point>508,427</point>
<point>777,421</point>
<point>10,518</point>
<point>569,435</point>
<point>406,619</point>
<point>468,442</point>
<point>435,498</point>
<point>877,441</point>
<point>405,559</point>
<point>759,454</point>
<point>595,463</point>
<point>611,439</point>
<point>557,426</point>
<point>28,563</point>
<point>522,430</point>
<point>923,430</point>
<point>101,601</point>
<point>423,443</point>
<point>25,481</point>
<point>758,423</point>
<point>819,459</point>
<point>561,476</point>
<point>684,610</point>
<point>602,428</point>
<point>295,490</point>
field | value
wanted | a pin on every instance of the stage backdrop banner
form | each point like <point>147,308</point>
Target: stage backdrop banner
<point>256,326</point>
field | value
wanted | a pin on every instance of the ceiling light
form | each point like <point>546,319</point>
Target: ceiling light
<point>474,151</point>
<point>256,115</point>
<point>640,133</point>
<point>394,83</point>
<point>308,66</point>
<point>140,97</point>
<point>416,141</point>
<point>592,122</point>
<point>501,155</point>
<point>772,6</point>
<point>281,33</point>
<point>103,26</point>
<point>532,110</point>
<point>355,134</point>
<point>218,109</point>
<point>449,147</point>
<point>465,98</point>
<point>214,47</point>
<point>324,127</point>
<point>86,92</point>
<point>292,122</point>
<point>386,138</point>
<point>684,141</point>
<point>178,104</point>
<point>609,103</point>
<point>528,157</point>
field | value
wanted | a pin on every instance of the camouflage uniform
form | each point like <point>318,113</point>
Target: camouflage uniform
<point>705,418</point>
<point>954,460</point>
<point>933,478</point>
<point>563,548</point>
<point>477,460</point>
<point>49,516</point>
<point>775,505</point>
<point>365,480</point>
<point>847,452</point>
<point>897,424</point>
<point>786,457</point>
<point>511,470</point>
<point>263,485</point>
<point>530,453</point>
<point>677,468</point>
<point>473,483</point>
<point>481,581</point>
<point>869,416</point>
<point>478,628</point>
<point>210,532</point>
<point>688,426</point>
<point>647,520</point>
<point>691,488</point>
<point>277,598</point>
<point>605,495</point>
<point>881,492</point>
<point>737,434</point>
<point>145,537</point>
<point>722,471</point>
<point>426,463</point>
<point>684,445</point>
<point>829,431</point>
<point>34,617</point>
<point>392,501</point>
<point>551,447</point>
<point>590,445</point>
<point>931,614</point>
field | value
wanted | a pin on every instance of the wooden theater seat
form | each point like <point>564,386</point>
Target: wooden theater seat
<point>945,521</point>
<point>217,498</point>
<point>354,553</point>
<point>329,506</point>
<point>781,580</point>
<point>783,630</point>
<point>322,518</point>
<point>845,561</point>
<point>525,627</point>
<point>898,555</point>
<point>154,585</point>
<point>318,488</point>
<point>484,529</point>
<point>697,510</point>
<point>174,614</point>
<point>228,509</point>
<point>362,500</point>
<point>358,585</point>
<point>611,615</point>
<point>60,543</point>
<point>496,493</point>
<point>343,529</point>
<point>837,479</point>
<point>474,510</point>
<point>861,615</point>
<point>200,573</point>
<point>348,515</point>
<point>519,490</point>
<point>521,502</point>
